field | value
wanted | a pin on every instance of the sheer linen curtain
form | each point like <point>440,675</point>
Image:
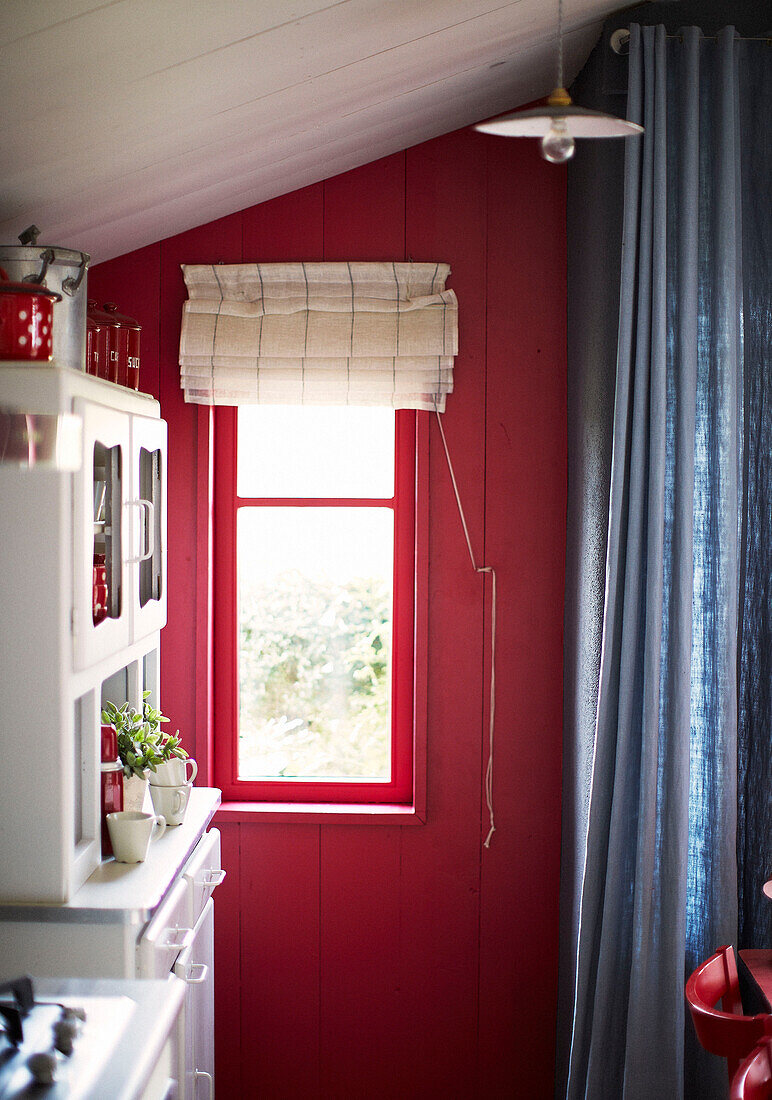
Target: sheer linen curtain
<point>660,883</point>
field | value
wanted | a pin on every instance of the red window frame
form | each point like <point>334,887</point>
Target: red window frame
<point>398,790</point>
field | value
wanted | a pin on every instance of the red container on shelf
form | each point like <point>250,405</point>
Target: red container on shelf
<point>106,341</point>
<point>112,784</point>
<point>100,592</point>
<point>96,341</point>
<point>26,319</point>
<point>127,345</point>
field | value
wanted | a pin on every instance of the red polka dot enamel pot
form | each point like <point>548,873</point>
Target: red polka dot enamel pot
<point>26,320</point>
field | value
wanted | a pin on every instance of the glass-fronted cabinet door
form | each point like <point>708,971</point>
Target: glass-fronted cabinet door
<point>101,614</point>
<point>148,525</point>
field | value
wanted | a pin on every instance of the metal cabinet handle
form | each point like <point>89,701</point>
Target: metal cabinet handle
<point>212,878</point>
<point>198,1074</point>
<point>201,971</point>
<point>181,945</point>
<point>149,511</point>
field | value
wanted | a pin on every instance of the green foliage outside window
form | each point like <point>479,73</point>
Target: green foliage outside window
<point>314,679</point>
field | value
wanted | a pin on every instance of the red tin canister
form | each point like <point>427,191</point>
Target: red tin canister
<point>128,346</point>
<point>107,341</point>
<point>26,319</point>
<point>112,784</point>
<point>96,341</point>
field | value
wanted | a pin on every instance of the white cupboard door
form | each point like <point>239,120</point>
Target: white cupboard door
<point>101,619</point>
<point>195,965</point>
<point>147,506</point>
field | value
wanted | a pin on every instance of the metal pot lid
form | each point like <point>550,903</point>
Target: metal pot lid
<point>30,249</point>
<point>32,254</point>
<point>7,287</point>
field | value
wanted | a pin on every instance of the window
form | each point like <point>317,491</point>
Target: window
<point>315,565</point>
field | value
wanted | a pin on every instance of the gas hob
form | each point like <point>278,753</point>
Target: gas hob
<point>84,1040</point>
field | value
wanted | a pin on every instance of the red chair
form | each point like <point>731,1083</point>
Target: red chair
<point>753,1080</point>
<point>725,1032</point>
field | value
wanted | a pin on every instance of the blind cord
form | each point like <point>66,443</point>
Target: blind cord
<point>480,569</point>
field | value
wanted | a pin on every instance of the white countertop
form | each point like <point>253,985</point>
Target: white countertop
<point>128,893</point>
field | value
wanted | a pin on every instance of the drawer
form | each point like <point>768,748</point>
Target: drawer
<point>168,933</point>
<point>203,873</point>
<point>195,966</point>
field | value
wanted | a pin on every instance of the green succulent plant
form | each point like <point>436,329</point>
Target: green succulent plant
<point>142,745</point>
<point>171,749</point>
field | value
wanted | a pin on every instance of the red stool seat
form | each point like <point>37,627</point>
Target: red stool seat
<point>724,1031</point>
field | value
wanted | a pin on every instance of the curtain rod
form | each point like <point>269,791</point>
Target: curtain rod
<point>620,39</point>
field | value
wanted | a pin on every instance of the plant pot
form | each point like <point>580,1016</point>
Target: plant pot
<point>136,794</point>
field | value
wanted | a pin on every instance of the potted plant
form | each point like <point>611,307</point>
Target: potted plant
<point>140,746</point>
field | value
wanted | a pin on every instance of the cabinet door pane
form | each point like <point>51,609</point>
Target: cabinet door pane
<point>101,613</point>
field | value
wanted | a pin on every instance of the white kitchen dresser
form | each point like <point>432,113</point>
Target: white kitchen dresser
<point>83,479</point>
<point>145,920</point>
<point>82,473</point>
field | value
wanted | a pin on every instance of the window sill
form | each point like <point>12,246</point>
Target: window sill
<point>318,813</point>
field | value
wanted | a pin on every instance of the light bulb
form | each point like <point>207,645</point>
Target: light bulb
<point>557,145</point>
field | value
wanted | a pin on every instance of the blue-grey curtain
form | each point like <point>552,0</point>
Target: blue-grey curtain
<point>754,756</point>
<point>660,883</point>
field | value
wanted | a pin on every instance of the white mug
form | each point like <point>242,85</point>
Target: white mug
<point>173,773</point>
<point>131,832</point>
<point>172,802</point>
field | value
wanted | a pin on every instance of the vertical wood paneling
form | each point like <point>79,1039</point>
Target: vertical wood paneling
<point>361,941</point>
<point>364,212</point>
<point>290,227</point>
<point>440,862</point>
<point>525,524</point>
<point>280,961</point>
<point>388,962</point>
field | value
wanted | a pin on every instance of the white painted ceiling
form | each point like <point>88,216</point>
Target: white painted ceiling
<point>126,121</point>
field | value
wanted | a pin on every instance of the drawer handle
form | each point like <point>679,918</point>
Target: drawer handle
<point>198,1074</point>
<point>172,941</point>
<point>212,878</point>
<point>201,972</point>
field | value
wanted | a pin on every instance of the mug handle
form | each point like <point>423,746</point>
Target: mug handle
<point>179,801</point>
<point>194,772</point>
<point>159,828</point>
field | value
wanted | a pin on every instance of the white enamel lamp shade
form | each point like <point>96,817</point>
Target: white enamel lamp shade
<point>580,122</point>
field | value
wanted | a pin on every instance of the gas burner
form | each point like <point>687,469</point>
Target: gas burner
<point>35,1037</point>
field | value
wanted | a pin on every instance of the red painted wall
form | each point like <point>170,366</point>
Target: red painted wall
<point>385,961</point>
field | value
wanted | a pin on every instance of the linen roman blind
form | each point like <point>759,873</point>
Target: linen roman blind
<point>318,334</point>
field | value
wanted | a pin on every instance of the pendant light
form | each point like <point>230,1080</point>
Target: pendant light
<point>558,121</point>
